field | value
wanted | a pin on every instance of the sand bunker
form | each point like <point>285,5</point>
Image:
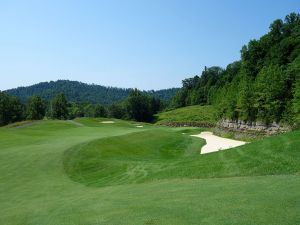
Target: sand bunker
<point>139,126</point>
<point>108,122</point>
<point>215,143</point>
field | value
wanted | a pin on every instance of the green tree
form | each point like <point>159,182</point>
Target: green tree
<point>179,99</point>
<point>245,99</point>
<point>296,100</point>
<point>11,109</point>
<point>59,107</point>
<point>230,103</point>
<point>36,108</point>
<point>100,111</point>
<point>138,106</point>
<point>16,109</point>
<point>117,111</point>
<point>75,110</point>
<point>89,110</point>
<point>269,89</point>
<point>4,109</point>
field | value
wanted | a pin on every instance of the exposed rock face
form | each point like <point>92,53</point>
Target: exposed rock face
<point>252,126</point>
<point>239,125</point>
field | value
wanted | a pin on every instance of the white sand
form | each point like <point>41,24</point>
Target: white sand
<point>215,143</point>
<point>139,126</point>
<point>108,122</point>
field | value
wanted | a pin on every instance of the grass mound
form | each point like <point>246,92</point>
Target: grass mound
<point>197,115</point>
<point>160,154</point>
<point>129,158</point>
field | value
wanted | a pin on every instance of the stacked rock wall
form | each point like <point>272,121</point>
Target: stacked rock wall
<point>252,126</point>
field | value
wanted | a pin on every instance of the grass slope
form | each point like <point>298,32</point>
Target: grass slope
<point>159,185</point>
<point>205,115</point>
<point>162,154</point>
<point>128,158</point>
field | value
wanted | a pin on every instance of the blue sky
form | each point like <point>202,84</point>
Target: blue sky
<point>148,44</point>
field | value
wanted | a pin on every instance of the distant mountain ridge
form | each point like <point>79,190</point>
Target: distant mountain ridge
<point>76,91</point>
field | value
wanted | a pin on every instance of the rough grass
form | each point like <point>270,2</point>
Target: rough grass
<point>199,114</point>
<point>160,186</point>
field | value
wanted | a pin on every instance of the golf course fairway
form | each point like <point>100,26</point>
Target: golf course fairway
<point>91,173</point>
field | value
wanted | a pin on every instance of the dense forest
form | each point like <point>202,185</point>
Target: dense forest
<point>65,99</point>
<point>83,93</point>
<point>137,106</point>
<point>263,86</point>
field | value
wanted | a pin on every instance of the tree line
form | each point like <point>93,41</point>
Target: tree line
<point>263,86</point>
<point>138,106</point>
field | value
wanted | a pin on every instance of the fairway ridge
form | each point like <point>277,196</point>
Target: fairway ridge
<point>215,143</point>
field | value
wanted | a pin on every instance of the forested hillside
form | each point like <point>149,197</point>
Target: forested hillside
<point>263,86</point>
<point>82,93</point>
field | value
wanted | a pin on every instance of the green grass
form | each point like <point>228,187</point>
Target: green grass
<point>128,158</point>
<point>140,157</point>
<point>205,115</point>
<point>60,173</point>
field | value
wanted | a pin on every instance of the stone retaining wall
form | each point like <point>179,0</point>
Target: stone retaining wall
<point>252,126</point>
<point>240,126</point>
<point>188,124</point>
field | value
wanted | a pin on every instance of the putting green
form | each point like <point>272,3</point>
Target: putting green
<point>59,173</point>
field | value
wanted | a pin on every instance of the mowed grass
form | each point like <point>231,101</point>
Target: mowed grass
<point>63,173</point>
<point>200,114</point>
<point>164,154</point>
<point>128,158</point>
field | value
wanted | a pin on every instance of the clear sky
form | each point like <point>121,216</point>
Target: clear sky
<point>148,44</point>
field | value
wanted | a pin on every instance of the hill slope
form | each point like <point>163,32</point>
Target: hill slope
<point>80,92</point>
<point>204,116</point>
